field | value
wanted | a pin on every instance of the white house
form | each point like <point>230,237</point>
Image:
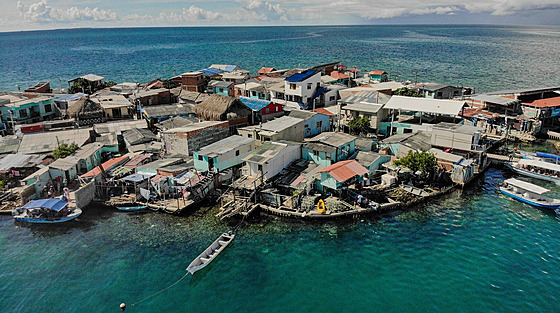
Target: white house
<point>271,158</point>
<point>301,89</point>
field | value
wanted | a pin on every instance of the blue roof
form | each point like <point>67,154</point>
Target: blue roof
<point>51,204</point>
<point>230,68</point>
<point>210,71</point>
<point>301,76</point>
<point>138,177</point>
<point>255,104</point>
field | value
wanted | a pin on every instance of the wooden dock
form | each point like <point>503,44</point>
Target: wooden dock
<point>498,158</point>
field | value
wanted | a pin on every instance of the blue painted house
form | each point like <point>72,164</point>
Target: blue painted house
<point>314,123</point>
<point>340,174</point>
<point>220,87</point>
<point>28,110</point>
<point>223,154</point>
<point>328,148</point>
<point>372,161</point>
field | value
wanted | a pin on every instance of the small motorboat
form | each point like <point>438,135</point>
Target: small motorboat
<point>536,169</point>
<point>46,211</point>
<point>529,193</point>
<point>132,208</point>
<point>211,252</point>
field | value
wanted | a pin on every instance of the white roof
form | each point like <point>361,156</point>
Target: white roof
<point>526,186</point>
<point>540,164</point>
<point>440,154</point>
<point>436,106</point>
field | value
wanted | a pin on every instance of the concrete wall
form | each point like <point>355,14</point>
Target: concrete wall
<point>450,139</point>
<point>311,128</point>
<point>84,195</point>
<point>187,143</point>
<point>320,159</point>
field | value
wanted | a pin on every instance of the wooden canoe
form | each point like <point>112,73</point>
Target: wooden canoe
<point>210,253</point>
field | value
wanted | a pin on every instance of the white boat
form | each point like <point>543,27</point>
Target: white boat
<point>536,169</point>
<point>46,211</point>
<point>210,253</point>
<point>529,193</point>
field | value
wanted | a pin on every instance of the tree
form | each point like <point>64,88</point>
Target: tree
<point>359,125</point>
<point>422,161</point>
<point>64,150</point>
<point>408,92</point>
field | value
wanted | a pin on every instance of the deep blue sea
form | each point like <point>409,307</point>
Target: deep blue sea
<point>485,57</point>
<point>471,251</point>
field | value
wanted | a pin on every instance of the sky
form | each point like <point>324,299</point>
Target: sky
<point>53,14</point>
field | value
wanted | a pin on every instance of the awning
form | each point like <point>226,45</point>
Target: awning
<point>50,204</point>
<point>138,177</point>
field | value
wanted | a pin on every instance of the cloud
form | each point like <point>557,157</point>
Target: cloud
<point>42,12</point>
<point>263,10</point>
<point>510,7</point>
<point>193,13</point>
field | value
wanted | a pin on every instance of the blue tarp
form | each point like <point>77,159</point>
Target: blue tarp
<point>255,104</point>
<point>210,71</point>
<point>137,177</point>
<point>548,155</point>
<point>319,92</point>
<point>51,204</point>
<point>301,76</point>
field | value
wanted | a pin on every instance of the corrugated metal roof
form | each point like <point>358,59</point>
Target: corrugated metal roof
<point>440,154</point>
<point>333,139</point>
<point>366,97</point>
<point>65,163</point>
<point>10,161</point>
<point>225,145</point>
<point>265,152</point>
<point>435,106</point>
<point>119,126</point>
<point>544,103</point>
<point>255,104</point>
<point>9,145</point>
<point>344,170</point>
<point>281,123</point>
<point>493,99</point>
<point>298,77</point>
<point>106,166</point>
<point>47,142</point>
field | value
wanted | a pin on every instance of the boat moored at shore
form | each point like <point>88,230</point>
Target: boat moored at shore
<point>211,252</point>
<point>46,211</point>
<point>529,193</point>
<point>536,169</point>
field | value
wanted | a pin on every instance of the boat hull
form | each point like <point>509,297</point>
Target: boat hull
<point>527,201</point>
<point>38,220</point>
<point>211,253</point>
<point>533,174</point>
<point>132,208</point>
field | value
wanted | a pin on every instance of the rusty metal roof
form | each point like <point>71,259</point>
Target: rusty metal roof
<point>344,170</point>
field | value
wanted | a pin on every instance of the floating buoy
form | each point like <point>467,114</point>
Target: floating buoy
<point>321,206</point>
<point>123,306</point>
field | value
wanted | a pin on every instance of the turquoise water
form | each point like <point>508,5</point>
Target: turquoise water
<point>470,251</point>
<point>485,57</point>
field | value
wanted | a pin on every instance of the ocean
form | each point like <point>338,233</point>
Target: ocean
<point>472,250</point>
<point>485,57</point>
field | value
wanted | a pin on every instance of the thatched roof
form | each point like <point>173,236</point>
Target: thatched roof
<point>84,108</point>
<point>221,108</point>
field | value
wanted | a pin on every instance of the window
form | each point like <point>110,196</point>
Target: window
<point>48,107</point>
<point>237,153</point>
<point>276,109</point>
<point>407,130</point>
<point>316,153</point>
<point>200,158</point>
<point>293,86</point>
<point>306,126</point>
<point>332,98</point>
<point>309,86</point>
<point>320,124</point>
<point>253,93</point>
<point>23,113</point>
<point>249,136</point>
<point>267,110</point>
